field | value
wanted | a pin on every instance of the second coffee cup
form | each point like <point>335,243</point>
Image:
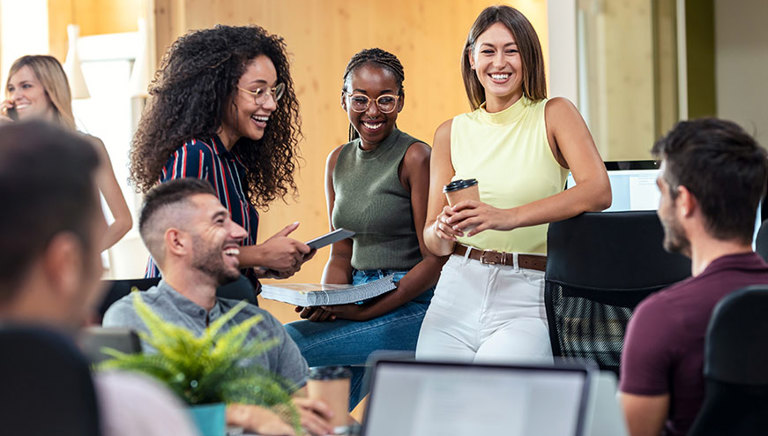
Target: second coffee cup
<point>330,384</point>
<point>460,190</point>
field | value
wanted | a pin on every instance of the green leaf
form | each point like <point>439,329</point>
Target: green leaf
<point>214,367</point>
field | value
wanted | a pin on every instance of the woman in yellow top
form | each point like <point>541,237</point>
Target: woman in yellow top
<point>519,145</point>
<point>37,87</point>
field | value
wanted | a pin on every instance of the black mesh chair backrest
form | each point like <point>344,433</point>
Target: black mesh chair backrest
<point>735,366</point>
<point>240,289</point>
<point>45,385</point>
<point>599,267</point>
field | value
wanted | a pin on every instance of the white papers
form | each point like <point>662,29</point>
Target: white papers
<point>310,294</point>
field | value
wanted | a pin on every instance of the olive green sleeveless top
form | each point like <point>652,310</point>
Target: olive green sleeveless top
<point>371,201</point>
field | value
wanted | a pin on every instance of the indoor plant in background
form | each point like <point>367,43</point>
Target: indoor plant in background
<point>208,371</point>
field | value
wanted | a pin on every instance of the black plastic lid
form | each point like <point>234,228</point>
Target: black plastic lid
<point>329,373</point>
<point>459,184</point>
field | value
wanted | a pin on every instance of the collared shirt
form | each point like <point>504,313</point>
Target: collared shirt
<point>210,160</point>
<point>284,359</point>
<point>664,347</point>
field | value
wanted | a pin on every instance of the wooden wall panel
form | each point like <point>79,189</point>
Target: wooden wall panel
<point>95,17</point>
<point>619,98</point>
<point>321,37</point>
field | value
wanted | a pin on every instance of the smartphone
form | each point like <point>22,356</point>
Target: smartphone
<point>12,114</point>
<point>330,238</point>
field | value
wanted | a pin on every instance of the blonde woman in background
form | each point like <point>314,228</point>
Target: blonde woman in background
<point>37,88</point>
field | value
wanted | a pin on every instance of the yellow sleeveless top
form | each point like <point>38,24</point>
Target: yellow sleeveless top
<point>509,155</point>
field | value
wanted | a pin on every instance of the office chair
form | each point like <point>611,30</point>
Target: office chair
<point>735,363</point>
<point>599,267</point>
<point>761,242</point>
<point>93,339</point>
<point>117,289</point>
<point>46,385</point>
<point>240,289</point>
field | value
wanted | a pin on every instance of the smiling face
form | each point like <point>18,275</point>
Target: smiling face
<point>28,96</point>
<point>244,117</point>
<point>498,66</point>
<point>372,81</point>
<point>215,239</point>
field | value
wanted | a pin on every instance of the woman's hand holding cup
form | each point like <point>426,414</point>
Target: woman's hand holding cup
<point>457,192</point>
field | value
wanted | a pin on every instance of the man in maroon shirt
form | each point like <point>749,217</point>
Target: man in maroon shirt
<point>713,175</point>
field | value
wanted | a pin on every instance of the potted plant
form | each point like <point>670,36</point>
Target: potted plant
<point>208,371</point>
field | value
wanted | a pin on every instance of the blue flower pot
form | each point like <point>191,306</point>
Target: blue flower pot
<point>210,419</point>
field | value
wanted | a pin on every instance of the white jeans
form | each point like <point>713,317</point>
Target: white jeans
<point>486,313</point>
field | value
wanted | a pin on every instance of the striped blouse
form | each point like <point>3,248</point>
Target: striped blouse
<point>210,160</point>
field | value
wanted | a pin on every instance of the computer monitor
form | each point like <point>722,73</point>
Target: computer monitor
<point>410,398</point>
<point>633,185</point>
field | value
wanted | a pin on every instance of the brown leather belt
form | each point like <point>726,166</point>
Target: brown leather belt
<point>527,261</point>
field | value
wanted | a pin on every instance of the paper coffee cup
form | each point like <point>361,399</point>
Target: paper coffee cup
<point>330,384</point>
<point>460,190</point>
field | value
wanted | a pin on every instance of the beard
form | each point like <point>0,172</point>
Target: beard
<point>210,262</point>
<point>675,239</point>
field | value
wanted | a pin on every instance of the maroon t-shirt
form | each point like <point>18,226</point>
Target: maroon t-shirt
<point>664,347</point>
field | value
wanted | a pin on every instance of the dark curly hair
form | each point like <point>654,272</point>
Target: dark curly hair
<point>190,94</point>
<point>381,58</point>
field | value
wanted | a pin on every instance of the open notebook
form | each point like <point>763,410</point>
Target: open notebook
<point>310,294</point>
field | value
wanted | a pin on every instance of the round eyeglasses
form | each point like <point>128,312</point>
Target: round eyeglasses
<point>260,94</point>
<point>386,103</point>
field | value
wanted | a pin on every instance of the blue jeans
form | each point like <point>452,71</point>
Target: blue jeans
<point>349,343</point>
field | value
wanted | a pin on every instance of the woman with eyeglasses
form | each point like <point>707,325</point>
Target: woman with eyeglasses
<point>37,88</point>
<point>518,145</point>
<point>376,186</point>
<point>222,108</point>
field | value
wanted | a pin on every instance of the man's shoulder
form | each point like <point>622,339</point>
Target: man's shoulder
<point>661,301</point>
<point>122,311</point>
<point>250,310</point>
<point>714,282</point>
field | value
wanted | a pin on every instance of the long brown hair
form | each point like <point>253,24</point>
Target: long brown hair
<point>52,77</point>
<point>534,78</point>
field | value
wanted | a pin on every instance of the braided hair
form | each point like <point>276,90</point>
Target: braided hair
<point>381,58</point>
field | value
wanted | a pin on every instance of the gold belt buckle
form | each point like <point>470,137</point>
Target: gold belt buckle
<point>490,257</point>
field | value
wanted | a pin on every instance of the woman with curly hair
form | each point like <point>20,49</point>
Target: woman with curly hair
<point>223,109</point>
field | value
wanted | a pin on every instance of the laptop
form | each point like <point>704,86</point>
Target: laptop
<point>604,414</point>
<point>409,398</point>
<point>633,185</point>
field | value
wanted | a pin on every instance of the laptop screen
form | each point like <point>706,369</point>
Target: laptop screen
<point>427,398</point>
<point>633,185</point>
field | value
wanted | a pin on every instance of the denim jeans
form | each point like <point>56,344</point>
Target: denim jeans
<point>349,343</point>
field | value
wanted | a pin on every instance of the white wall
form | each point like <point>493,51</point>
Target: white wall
<point>563,65</point>
<point>23,31</point>
<point>741,64</point>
